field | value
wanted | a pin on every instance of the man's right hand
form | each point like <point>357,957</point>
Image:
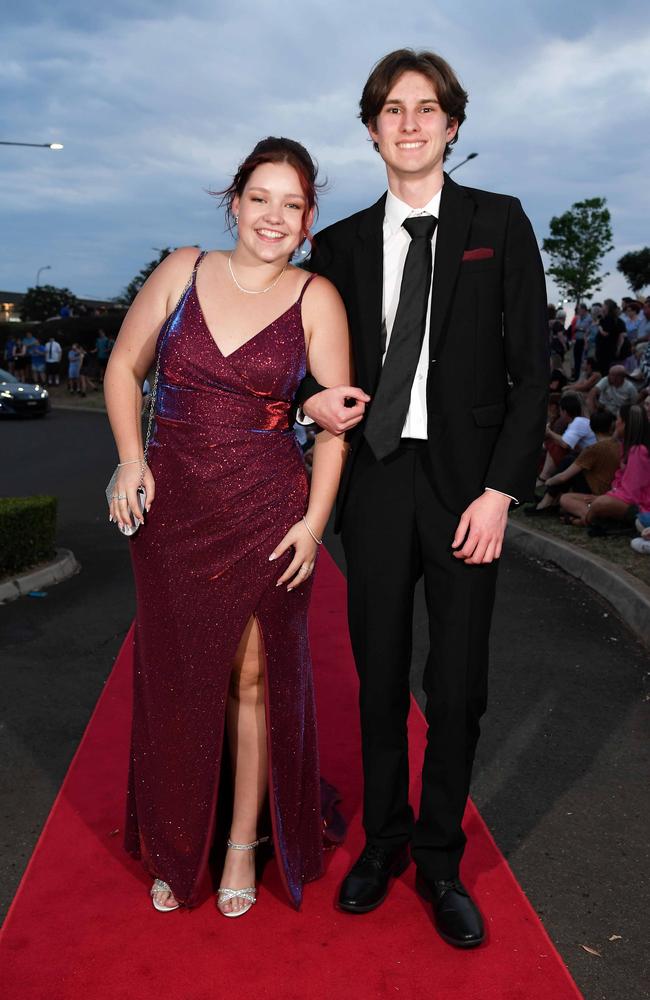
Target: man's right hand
<point>328,408</point>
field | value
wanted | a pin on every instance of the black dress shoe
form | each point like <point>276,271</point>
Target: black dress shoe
<point>456,915</point>
<point>366,884</point>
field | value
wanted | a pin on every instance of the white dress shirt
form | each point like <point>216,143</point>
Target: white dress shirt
<point>396,244</point>
<point>53,352</point>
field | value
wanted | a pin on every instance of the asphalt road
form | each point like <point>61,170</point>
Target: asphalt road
<point>562,772</point>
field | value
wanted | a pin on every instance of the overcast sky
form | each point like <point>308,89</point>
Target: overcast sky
<point>156,101</point>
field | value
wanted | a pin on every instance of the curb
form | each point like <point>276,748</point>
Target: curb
<point>64,566</point>
<point>629,596</point>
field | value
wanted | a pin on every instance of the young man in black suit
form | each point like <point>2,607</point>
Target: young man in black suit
<point>445,296</point>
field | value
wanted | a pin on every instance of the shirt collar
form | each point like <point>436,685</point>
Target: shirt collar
<point>397,210</point>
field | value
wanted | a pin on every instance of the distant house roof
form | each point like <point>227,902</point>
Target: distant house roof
<point>15,297</point>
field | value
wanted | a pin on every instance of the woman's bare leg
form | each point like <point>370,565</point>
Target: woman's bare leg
<point>246,722</point>
<point>607,507</point>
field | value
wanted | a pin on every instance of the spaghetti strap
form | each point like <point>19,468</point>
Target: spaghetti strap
<point>196,264</point>
<point>304,287</point>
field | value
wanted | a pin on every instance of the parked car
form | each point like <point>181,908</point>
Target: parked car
<point>21,399</point>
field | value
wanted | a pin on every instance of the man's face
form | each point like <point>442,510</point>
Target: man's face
<point>411,129</point>
<point>615,378</point>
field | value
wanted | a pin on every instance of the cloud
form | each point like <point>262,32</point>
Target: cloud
<point>155,105</point>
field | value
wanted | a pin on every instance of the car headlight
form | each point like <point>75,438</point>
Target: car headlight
<point>6,395</point>
<point>44,394</point>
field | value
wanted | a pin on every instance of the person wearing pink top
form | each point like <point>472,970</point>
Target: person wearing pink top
<point>630,490</point>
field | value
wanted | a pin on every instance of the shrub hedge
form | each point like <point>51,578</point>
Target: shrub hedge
<point>27,532</point>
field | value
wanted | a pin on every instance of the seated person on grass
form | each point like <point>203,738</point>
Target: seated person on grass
<point>555,419</point>
<point>629,494</point>
<point>578,435</point>
<point>588,474</point>
<point>589,379</point>
<point>612,391</point>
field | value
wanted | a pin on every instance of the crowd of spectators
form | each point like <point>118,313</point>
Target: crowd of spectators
<point>595,465</point>
<point>46,363</point>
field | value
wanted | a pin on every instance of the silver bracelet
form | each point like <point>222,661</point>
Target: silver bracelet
<point>132,461</point>
<point>319,541</point>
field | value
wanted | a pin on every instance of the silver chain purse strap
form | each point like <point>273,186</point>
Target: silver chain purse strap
<point>152,412</point>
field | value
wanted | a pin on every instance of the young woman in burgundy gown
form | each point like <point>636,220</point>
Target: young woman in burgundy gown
<point>224,559</point>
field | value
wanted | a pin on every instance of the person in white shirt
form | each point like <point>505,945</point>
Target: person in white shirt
<point>578,435</point>
<point>53,354</point>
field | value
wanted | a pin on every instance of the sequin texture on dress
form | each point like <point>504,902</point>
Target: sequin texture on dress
<point>230,482</point>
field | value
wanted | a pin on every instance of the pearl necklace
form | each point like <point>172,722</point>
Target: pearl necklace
<point>254,291</point>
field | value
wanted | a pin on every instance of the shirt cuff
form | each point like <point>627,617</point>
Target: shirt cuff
<point>491,490</point>
<point>303,419</point>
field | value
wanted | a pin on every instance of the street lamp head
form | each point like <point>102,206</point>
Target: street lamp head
<point>56,145</point>
<point>470,156</point>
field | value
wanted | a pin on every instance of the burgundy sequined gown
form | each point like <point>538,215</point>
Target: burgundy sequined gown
<point>230,482</point>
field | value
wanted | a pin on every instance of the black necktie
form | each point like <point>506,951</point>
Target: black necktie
<point>390,405</point>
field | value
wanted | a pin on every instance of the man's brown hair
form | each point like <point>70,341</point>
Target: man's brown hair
<point>451,96</point>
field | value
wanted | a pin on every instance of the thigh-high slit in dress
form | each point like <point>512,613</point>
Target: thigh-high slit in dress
<point>230,482</point>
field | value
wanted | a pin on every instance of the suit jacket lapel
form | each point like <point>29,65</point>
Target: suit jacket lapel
<point>369,280</point>
<point>456,211</point>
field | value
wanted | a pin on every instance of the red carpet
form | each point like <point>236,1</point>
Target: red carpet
<point>82,927</point>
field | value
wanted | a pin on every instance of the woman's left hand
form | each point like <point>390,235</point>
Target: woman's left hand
<point>304,555</point>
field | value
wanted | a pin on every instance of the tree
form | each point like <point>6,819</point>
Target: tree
<point>44,301</point>
<point>132,289</point>
<point>636,268</point>
<point>578,242</point>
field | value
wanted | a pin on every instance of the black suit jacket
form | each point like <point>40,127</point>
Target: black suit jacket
<point>489,369</point>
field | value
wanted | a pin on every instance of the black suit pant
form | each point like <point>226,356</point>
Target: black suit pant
<point>395,530</point>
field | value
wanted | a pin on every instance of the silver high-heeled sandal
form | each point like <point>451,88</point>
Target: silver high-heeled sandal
<point>160,886</point>
<point>249,894</point>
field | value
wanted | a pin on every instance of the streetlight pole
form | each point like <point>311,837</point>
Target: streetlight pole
<point>38,145</point>
<point>472,156</point>
<point>46,267</point>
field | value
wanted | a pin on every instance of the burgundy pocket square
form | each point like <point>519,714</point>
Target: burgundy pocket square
<point>481,253</point>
